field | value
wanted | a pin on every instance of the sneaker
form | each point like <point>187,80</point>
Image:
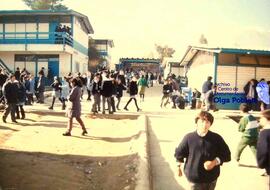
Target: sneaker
<point>50,108</point>
<point>84,133</point>
<point>125,109</point>
<point>67,134</point>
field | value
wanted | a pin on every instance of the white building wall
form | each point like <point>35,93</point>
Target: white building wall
<point>201,67</point>
<point>79,35</point>
<point>64,64</point>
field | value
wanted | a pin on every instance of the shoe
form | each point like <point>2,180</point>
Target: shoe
<point>118,109</point>
<point>84,133</point>
<point>264,174</point>
<point>51,108</point>
<point>18,117</point>
<point>125,109</point>
<point>4,120</point>
<point>14,121</point>
<point>139,110</point>
<point>103,112</point>
<point>23,117</point>
<point>67,134</point>
<point>110,112</point>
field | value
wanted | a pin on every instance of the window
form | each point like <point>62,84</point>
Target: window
<point>43,27</point>
<point>31,27</point>
<point>1,30</point>
<point>20,27</point>
<point>10,28</point>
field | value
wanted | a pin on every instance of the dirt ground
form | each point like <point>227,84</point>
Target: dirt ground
<point>34,154</point>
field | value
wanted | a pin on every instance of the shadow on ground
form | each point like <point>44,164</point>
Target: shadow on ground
<point>35,170</point>
<point>162,174</point>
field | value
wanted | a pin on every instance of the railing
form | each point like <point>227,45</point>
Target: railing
<point>5,67</point>
<point>36,38</point>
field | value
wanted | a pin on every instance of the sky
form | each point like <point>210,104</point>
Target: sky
<point>136,26</point>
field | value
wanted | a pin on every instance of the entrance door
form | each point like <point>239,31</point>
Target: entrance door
<point>53,70</point>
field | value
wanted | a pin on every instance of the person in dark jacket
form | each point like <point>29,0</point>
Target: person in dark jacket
<point>10,91</point>
<point>207,85</point>
<point>41,88</point>
<point>133,91</point>
<point>95,90</point>
<point>56,91</point>
<point>113,92</point>
<point>119,92</point>
<point>17,74</point>
<point>251,94</point>
<point>106,92</point>
<point>209,99</point>
<point>167,91</point>
<point>263,145</point>
<point>21,99</point>
<point>203,152</point>
<point>75,108</point>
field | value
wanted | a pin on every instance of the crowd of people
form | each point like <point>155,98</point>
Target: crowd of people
<point>59,38</point>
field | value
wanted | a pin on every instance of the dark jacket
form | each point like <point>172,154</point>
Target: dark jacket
<point>246,90</point>
<point>106,88</point>
<point>196,150</point>
<point>263,150</point>
<point>56,86</point>
<point>167,89</point>
<point>3,79</point>
<point>17,74</point>
<point>119,90</point>
<point>207,85</point>
<point>122,78</point>
<point>133,88</point>
<point>10,91</point>
<point>95,87</point>
<point>21,92</point>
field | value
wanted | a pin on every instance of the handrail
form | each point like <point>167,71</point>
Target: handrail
<point>36,37</point>
<point>5,67</point>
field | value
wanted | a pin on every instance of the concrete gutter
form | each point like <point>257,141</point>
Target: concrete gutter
<point>143,169</point>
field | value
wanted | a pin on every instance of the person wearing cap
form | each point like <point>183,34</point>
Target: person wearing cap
<point>10,90</point>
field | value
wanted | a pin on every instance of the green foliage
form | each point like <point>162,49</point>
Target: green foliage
<point>164,51</point>
<point>45,4</point>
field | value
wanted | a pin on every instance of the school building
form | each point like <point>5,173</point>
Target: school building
<point>231,69</point>
<point>55,40</point>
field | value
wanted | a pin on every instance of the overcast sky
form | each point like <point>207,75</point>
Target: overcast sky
<point>137,25</point>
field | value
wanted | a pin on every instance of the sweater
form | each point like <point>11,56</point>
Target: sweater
<point>248,125</point>
<point>263,150</point>
<point>196,150</point>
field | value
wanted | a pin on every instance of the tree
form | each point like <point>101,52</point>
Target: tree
<point>45,4</point>
<point>164,52</point>
<point>203,40</point>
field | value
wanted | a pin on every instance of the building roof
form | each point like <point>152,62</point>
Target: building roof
<point>193,50</point>
<point>104,41</point>
<point>82,17</point>
<point>139,60</point>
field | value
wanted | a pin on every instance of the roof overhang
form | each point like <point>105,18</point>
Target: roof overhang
<point>83,18</point>
<point>193,50</point>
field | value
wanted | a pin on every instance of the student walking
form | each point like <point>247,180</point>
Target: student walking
<point>263,146</point>
<point>142,84</point>
<point>41,87</point>
<point>106,92</point>
<point>64,92</point>
<point>204,152</point>
<point>119,92</point>
<point>248,125</point>
<point>10,92</point>
<point>56,92</point>
<point>133,91</point>
<point>96,87</point>
<point>167,91</point>
<point>21,100</point>
<point>75,109</point>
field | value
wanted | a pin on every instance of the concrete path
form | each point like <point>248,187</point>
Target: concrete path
<point>166,129</point>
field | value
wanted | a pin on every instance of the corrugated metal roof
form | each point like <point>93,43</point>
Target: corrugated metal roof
<point>49,12</point>
<point>193,50</point>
